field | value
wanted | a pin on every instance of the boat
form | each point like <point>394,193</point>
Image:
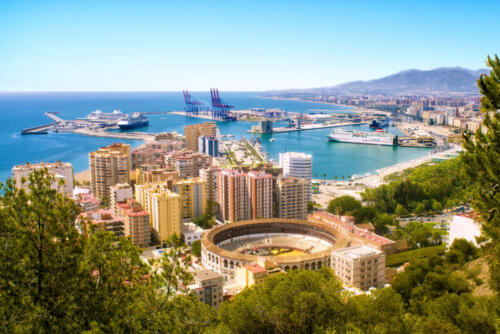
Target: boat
<point>137,120</point>
<point>98,115</point>
<point>356,137</point>
<point>379,124</point>
<point>272,139</point>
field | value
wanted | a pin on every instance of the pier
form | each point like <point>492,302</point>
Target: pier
<point>118,135</point>
<point>310,127</point>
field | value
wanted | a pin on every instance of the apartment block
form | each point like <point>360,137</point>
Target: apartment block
<point>136,222</point>
<point>208,287</point>
<point>188,163</point>
<point>62,171</point>
<point>291,195</point>
<point>165,214</point>
<point>102,219</point>
<point>260,186</point>
<point>119,193</point>
<point>297,165</point>
<point>108,166</point>
<point>193,197</point>
<point>193,132</point>
<point>359,266</point>
<point>208,145</point>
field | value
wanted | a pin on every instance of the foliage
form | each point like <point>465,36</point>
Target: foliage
<point>205,221</point>
<point>481,162</point>
<point>398,259</point>
<point>196,248</point>
<point>343,205</point>
<point>428,188</point>
<point>418,234</point>
<point>461,251</point>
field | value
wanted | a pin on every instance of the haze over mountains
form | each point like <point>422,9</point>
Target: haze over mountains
<point>443,80</point>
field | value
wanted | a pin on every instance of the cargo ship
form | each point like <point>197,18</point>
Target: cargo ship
<point>378,137</point>
<point>137,120</point>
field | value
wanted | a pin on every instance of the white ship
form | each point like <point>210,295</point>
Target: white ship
<point>137,120</point>
<point>98,115</point>
<point>356,137</point>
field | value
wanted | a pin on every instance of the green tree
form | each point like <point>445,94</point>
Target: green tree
<point>343,204</point>
<point>481,157</point>
<point>401,211</point>
<point>196,248</point>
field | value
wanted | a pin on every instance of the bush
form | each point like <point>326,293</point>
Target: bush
<point>398,259</point>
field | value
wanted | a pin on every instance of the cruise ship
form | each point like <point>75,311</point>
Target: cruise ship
<point>137,120</point>
<point>98,115</point>
<point>378,137</point>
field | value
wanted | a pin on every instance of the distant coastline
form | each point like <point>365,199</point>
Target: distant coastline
<point>348,108</point>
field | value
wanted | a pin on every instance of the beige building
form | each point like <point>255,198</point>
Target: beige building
<point>136,222</point>
<point>193,132</point>
<point>255,273</point>
<point>62,171</point>
<point>108,166</point>
<point>104,220</point>
<point>188,163</point>
<point>164,207</point>
<point>209,175</point>
<point>193,197</point>
<point>119,193</point>
<point>359,266</point>
<point>292,196</point>
<point>260,186</point>
<point>208,287</point>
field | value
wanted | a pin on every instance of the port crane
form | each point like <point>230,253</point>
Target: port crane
<point>220,110</point>
<point>193,106</point>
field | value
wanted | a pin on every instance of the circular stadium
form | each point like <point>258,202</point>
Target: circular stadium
<point>289,243</point>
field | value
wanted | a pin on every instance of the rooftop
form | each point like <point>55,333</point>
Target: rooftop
<point>358,252</point>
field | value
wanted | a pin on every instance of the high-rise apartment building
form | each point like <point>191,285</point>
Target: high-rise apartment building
<point>209,175</point>
<point>260,186</point>
<point>189,164</point>
<point>243,196</point>
<point>108,166</point>
<point>193,132</point>
<point>135,222</point>
<point>118,193</point>
<point>60,170</point>
<point>208,145</point>
<point>291,200</point>
<point>297,165</point>
<point>361,266</point>
<point>193,197</point>
<point>164,207</point>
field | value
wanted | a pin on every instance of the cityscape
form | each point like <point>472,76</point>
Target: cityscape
<point>363,203</point>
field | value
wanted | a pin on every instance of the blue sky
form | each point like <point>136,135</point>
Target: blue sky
<point>248,45</point>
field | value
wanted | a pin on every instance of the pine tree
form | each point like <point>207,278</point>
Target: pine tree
<point>482,162</point>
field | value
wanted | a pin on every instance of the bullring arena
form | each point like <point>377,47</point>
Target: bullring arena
<point>291,244</point>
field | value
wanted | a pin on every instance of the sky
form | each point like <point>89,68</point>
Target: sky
<point>161,45</point>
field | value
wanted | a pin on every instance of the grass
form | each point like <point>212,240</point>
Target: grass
<point>398,259</point>
<point>254,152</point>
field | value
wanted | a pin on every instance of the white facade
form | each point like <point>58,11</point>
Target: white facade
<point>297,165</point>
<point>60,170</point>
<point>191,233</point>
<point>463,227</point>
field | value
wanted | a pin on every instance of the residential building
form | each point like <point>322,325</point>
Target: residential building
<point>108,166</point>
<point>208,287</point>
<point>208,145</point>
<point>255,273</point>
<point>189,164</point>
<point>260,186</point>
<point>61,171</point>
<point>87,202</point>
<point>154,174</point>
<point>136,222</point>
<point>193,132</point>
<point>119,192</point>
<point>191,232</point>
<point>193,197</point>
<point>297,165</point>
<point>102,219</point>
<point>164,207</point>
<point>359,266</point>
<point>233,196</point>
<point>291,195</point>
<point>209,175</point>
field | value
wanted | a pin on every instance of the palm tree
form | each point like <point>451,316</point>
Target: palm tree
<point>336,177</point>
<point>343,177</point>
<point>324,177</point>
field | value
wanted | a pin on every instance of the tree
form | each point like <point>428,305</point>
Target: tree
<point>40,253</point>
<point>196,248</point>
<point>343,204</point>
<point>401,211</point>
<point>481,157</point>
<point>364,214</point>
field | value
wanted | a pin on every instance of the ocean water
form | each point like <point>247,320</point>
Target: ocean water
<point>23,110</point>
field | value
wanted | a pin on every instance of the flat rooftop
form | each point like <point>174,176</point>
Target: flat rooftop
<point>357,252</point>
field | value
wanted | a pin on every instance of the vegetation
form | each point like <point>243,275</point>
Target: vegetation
<point>398,259</point>
<point>196,248</point>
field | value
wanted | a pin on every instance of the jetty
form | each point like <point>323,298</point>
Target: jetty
<point>309,127</point>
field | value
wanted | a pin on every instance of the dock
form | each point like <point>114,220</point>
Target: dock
<point>311,127</point>
<point>118,135</point>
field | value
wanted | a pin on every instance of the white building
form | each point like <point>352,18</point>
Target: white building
<point>60,170</point>
<point>297,165</point>
<point>362,267</point>
<point>191,233</point>
<point>463,227</point>
<point>119,193</point>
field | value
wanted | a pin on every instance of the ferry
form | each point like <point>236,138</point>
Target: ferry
<point>137,120</point>
<point>378,137</point>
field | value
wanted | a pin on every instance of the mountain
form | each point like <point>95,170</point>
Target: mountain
<point>443,80</point>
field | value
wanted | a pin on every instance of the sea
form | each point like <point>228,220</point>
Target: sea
<point>24,110</point>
